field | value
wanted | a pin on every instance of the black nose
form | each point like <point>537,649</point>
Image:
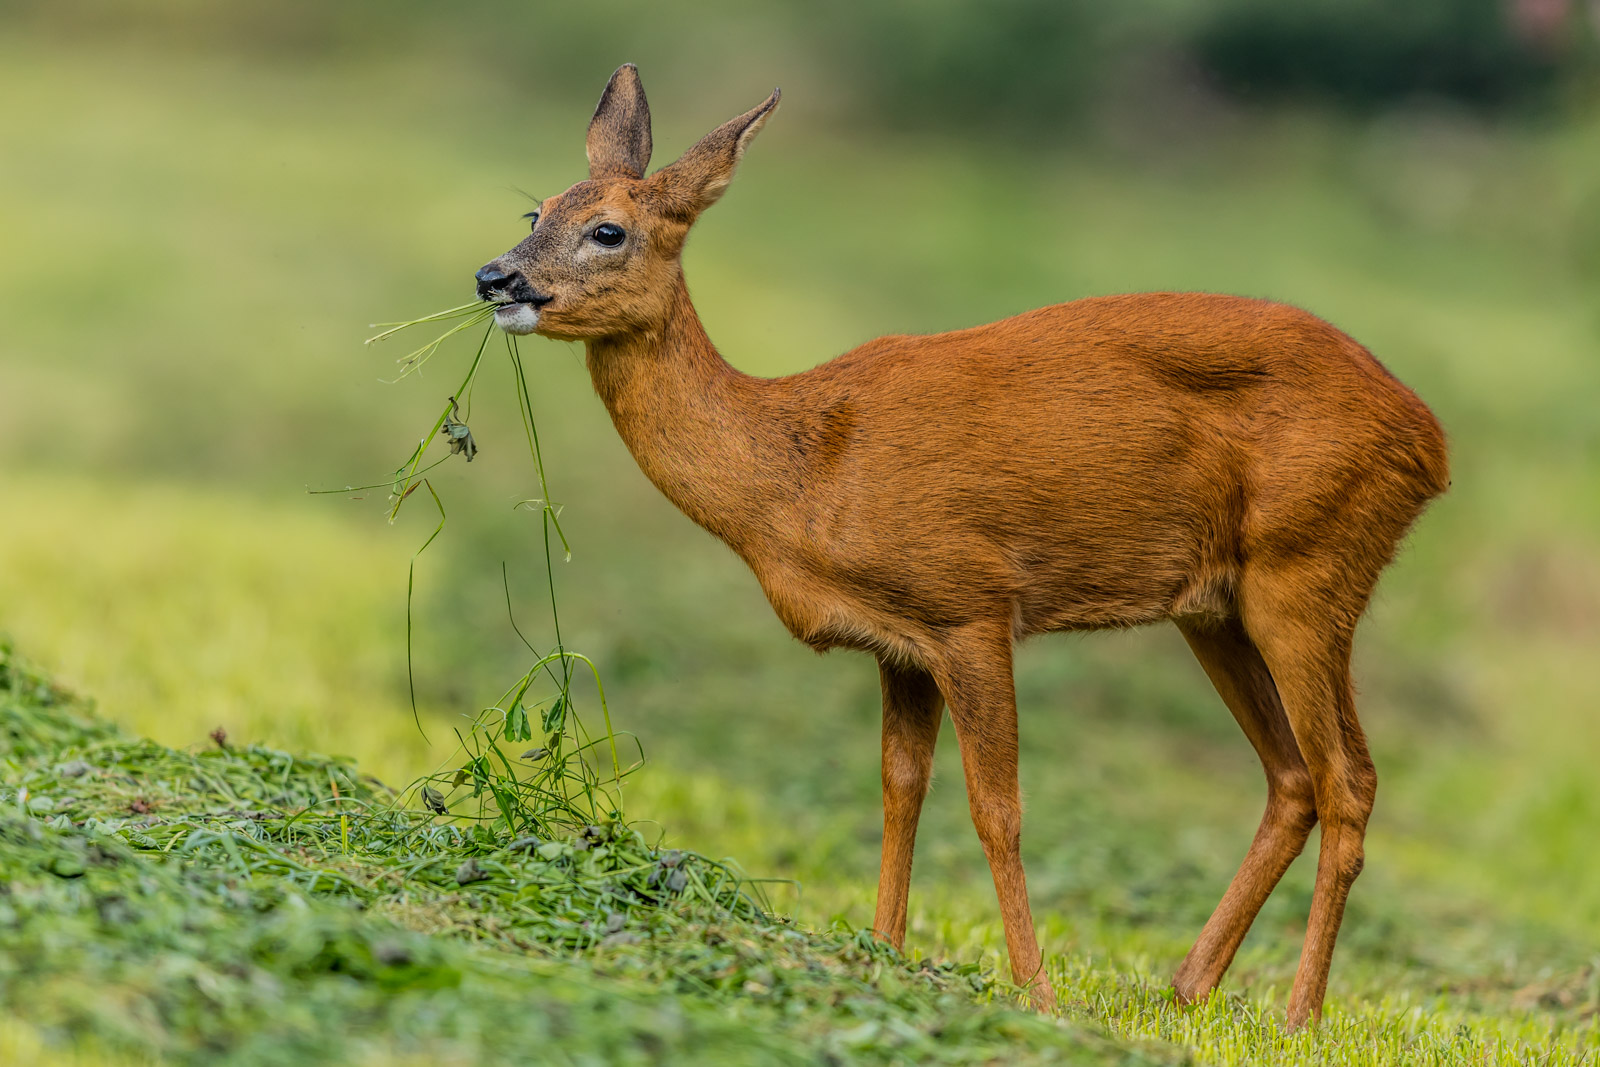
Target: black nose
<point>491,279</point>
<point>495,284</point>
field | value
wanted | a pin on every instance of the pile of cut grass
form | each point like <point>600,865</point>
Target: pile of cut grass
<point>244,905</point>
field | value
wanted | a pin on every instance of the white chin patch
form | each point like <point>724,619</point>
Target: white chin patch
<point>517,318</point>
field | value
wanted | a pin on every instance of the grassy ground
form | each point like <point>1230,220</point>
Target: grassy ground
<point>247,905</point>
<point>242,220</point>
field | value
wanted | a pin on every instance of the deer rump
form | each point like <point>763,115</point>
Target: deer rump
<point>1109,462</point>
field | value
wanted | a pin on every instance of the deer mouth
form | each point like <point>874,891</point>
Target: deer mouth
<point>517,317</point>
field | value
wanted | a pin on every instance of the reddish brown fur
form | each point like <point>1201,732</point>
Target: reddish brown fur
<point>1237,466</point>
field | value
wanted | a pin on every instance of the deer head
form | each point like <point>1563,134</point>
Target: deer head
<point>602,257</point>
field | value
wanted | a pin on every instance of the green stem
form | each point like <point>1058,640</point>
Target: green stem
<point>405,484</point>
<point>474,308</point>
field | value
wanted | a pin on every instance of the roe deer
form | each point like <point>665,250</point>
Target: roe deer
<point>1237,466</point>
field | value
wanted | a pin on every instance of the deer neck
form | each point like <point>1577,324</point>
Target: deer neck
<point>706,434</point>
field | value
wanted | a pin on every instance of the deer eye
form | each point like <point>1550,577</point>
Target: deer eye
<point>533,219</point>
<point>608,234</point>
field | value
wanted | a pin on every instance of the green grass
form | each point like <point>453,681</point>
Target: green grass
<point>243,904</point>
<point>248,905</point>
<point>247,215</point>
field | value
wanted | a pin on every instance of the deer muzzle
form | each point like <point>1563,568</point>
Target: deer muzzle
<point>519,302</point>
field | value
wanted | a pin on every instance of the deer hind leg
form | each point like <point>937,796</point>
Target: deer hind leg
<point>1241,678</point>
<point>974,672</point>
<point>912,708</point>
<point>1303,628</point>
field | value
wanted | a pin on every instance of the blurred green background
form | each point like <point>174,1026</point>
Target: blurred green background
<point>204,204</point>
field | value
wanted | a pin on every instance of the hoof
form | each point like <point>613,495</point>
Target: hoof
<point>1301,1017</point>
<point>1187,990</point>
<point>1042,996</point>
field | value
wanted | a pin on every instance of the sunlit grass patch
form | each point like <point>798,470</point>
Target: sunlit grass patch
<point>1402,1027</point>
<point>184,609</point>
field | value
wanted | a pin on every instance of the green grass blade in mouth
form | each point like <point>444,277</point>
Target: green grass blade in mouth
<point>412,361</point>
<point>476,307</point>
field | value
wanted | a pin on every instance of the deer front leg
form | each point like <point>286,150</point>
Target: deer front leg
<point>912,708</point>
<point>977,684</point>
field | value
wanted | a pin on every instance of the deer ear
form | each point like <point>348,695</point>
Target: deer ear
<point>698,178</point>
<point>619,133</point>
